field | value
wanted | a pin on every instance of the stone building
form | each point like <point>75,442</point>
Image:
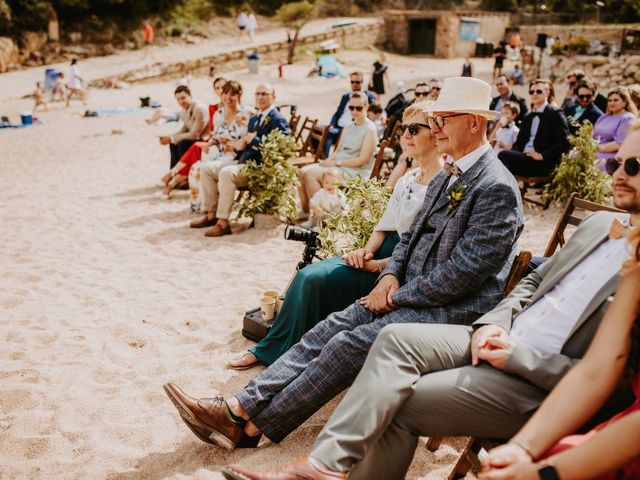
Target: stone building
<point>443,34</point>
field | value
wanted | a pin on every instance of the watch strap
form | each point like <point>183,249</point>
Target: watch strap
<point>548,473</point>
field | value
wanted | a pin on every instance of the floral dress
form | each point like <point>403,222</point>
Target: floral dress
<point>235,129</point>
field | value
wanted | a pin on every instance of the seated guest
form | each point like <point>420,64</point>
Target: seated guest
<point>181,171</point>
<point>435,86</point>
<point>486,380</point>
<point>194,125</point>
<point>342,115</point>
<point>517,76</point>
<point>611,128</point>
<point>219,180</point>
<point>507,132</point>
<point>353,156</point>
<point>333,284</point>
<point>327,201</point>
<point>450,267</point>
<point>542,138</point>
<point>634,92</point>
<point>541,448</point>
<point>572,78</point>
<point>584,110</point>
<point>376,115</point>
<point>506,94</point>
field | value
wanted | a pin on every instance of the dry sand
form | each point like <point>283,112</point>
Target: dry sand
<point>106,295</point>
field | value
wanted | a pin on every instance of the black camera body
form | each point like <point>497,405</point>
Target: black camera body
<point>253,326</point>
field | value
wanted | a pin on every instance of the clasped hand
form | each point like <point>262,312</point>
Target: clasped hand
<point>380,299</point>
<point>508,462</point>
<point>361,259</point>
<point>491,344</point>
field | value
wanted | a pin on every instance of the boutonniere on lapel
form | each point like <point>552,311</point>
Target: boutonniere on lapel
<point>266,121</point>
<point>455,194</point>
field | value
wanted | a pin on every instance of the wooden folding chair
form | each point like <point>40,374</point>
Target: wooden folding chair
<point>376,171</point>
<point>313,147</point>
<point>533,182</point>
<point>305,128</point>
<point>574,212</point>
<point>293,123</point>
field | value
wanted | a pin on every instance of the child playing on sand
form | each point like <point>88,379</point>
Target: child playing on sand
<point>326,201</point>
<point>38,97</point>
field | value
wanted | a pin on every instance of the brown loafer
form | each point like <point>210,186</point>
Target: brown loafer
<point>301,468</point>
<point>218,231</point>
<point>245,362</point>
<point>205,417</point>
<point>203,222</point>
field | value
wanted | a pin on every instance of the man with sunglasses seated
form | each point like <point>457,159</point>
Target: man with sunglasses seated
<point>342,116</point>
<point>449,268</point>
<point>584,110</point>
<point>542,138</point>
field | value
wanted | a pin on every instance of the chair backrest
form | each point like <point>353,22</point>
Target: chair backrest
<point>293,123</point>
<point>574,212</point>
<point>393,140</point>
<point>305,128</point>
<point>314,143</point>
<point>518,269</point>
<point>377,163</point>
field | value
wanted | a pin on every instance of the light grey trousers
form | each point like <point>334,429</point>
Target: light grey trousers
<point>417,381</point>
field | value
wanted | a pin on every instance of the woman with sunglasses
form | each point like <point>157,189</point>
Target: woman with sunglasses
<point>542,138</point>
<point>335,283</point>
<point>353,156</point>
<point>611,128</point>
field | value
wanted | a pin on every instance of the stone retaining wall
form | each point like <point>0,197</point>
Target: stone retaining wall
<point>608,72</point>
<point>353,37</point>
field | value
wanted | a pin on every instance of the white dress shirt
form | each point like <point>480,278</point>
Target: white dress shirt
<point>545,326</point>
<point>535,123</point>
<point>466,162</point>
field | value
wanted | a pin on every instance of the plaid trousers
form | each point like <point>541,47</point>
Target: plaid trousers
<point>325,361</point>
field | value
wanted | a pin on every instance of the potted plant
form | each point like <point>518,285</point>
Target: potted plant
<point>271,182</point>
<point>351,228</point>
<point>577,171</point>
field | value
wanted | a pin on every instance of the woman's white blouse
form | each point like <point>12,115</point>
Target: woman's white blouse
<point>405,202</point>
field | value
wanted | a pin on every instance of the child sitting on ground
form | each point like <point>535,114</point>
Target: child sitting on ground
<point>38,97</point>
<point>375,114</point>
<point>507,133</point>
<point>326,201</point>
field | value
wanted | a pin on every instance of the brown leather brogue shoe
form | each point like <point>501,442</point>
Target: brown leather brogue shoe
<point>205,417</point>
<point>302,468</point>
<point>203,222</point>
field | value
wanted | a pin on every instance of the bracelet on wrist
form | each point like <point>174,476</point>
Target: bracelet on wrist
<point>526,450</point>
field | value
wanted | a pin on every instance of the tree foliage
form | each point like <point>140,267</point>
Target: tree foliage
<point>294,16</point>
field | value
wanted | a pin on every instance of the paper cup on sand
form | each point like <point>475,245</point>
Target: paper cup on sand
<point>268,308</point>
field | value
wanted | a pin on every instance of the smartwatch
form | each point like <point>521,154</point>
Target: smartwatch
<point>548,473</point>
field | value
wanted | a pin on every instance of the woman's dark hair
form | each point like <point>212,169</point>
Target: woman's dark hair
<point>218,79</point>
<point>232,87</point>
<point>633,362</point>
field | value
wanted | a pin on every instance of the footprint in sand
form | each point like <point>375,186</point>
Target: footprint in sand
<point>136,343</point>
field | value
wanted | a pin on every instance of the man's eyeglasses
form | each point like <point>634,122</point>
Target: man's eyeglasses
<point>539,91</point>
<point>262,94</point>
<point>587,96</point>
<point>439,120</point>
<point>631,165</point>
<point>413,128</point>
<point>421,94</point>
<point>357,108</point>
<point>356,82</point>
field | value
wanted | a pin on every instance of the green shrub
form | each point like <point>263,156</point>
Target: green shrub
<point>577,171</point>
<point>350,229</point>
<point>272,182</point>
<point>579,45</point>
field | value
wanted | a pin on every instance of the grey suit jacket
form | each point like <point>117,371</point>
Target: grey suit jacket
<point>456,261</point>
<point>544,369</point>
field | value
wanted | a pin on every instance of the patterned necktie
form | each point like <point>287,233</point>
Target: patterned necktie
<point>451,169</point>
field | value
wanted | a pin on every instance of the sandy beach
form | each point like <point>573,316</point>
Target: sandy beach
<point>106,294</point>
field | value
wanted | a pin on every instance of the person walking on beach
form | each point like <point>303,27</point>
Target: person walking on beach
<point>76,84</point>
<point>242,21</point>
<point>252,25</point>
<point>148,33</point>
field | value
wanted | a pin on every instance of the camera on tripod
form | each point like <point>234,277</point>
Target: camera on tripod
<point>253,326</point>
<point>310,239</point>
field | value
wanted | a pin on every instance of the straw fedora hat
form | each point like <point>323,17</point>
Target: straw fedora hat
<point>465,95</point>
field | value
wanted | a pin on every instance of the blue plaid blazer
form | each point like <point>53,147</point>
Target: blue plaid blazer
<point>455,260</point>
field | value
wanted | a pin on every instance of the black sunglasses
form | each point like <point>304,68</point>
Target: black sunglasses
<point>414,128</point>
<point>356,82</point>
<point>436,88</point>
<point>588,96</point>
<point>538,91</point>
<point>631,165</point>
<point>421,94</point>
<point>357,108</point>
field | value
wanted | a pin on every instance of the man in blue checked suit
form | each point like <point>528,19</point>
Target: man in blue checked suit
<point>451,267</point>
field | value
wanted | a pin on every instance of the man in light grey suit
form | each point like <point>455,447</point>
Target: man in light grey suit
<point>451,267</point>
<point>484,380</point>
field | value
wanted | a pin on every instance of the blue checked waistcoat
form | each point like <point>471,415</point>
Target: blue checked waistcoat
<point>455,260</point>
